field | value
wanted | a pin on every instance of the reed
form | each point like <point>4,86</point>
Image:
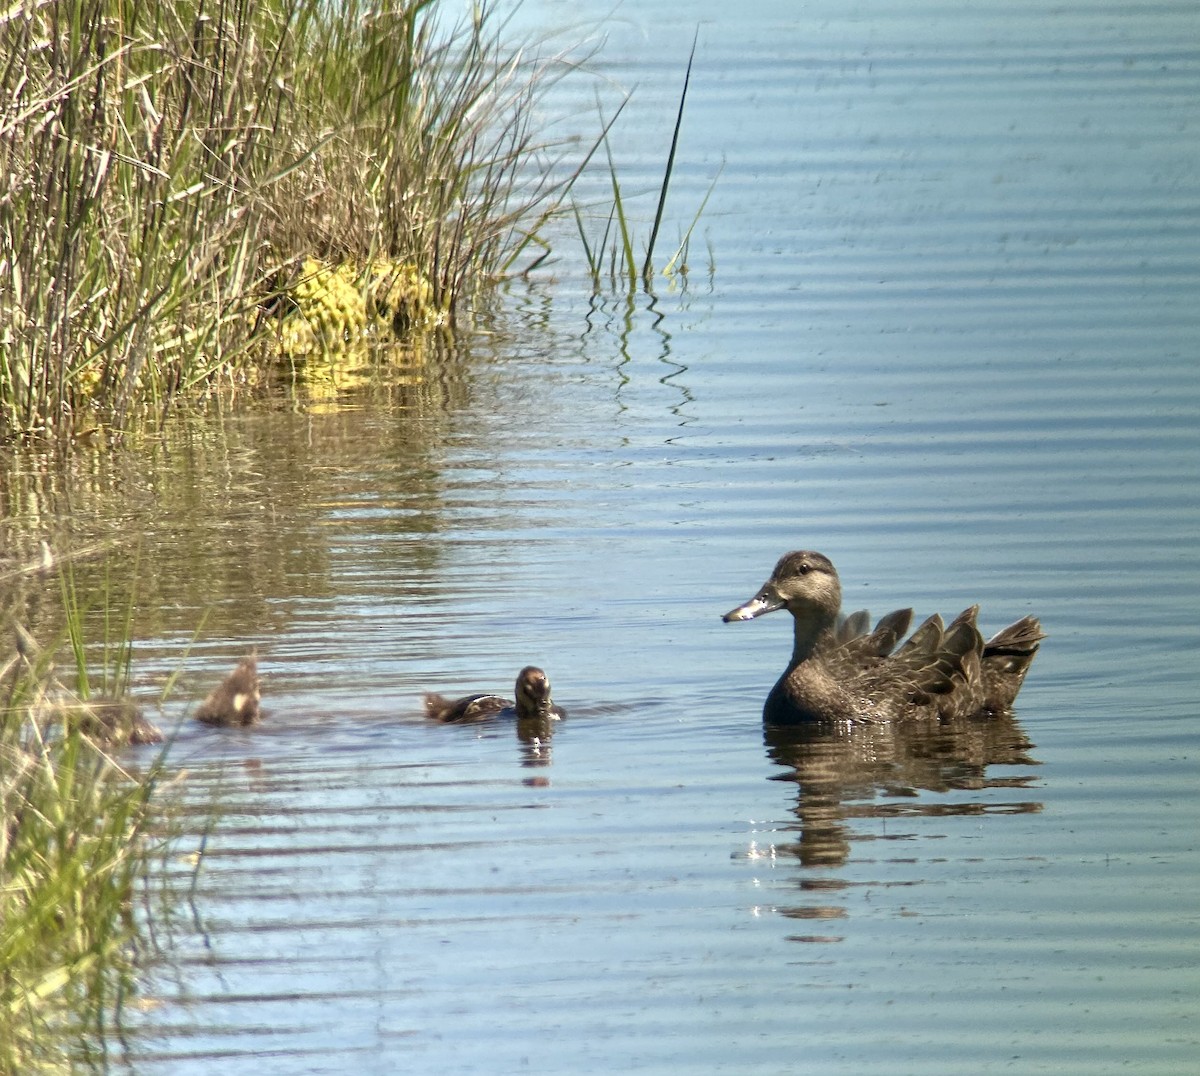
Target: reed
<point>611,254</point>
<point>79,836</point>
<point>167,166</point>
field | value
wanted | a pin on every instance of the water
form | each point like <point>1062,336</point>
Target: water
<point>948,337</point>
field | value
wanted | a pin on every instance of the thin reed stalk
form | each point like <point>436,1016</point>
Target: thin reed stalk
<point>614,246</point>
<point>648,264</point>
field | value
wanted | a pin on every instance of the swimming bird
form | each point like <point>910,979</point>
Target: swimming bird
<point>843,672</point>
<point>234,701</point>
<point>111,722</point>
<point>533,702</point>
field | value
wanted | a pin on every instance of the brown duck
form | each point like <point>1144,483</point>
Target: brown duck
<point>847,673</point>
<point>533,702</point>
<point>234,701</point>
<point>112,722</point>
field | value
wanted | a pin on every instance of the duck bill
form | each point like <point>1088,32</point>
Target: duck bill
<point>765,601</point>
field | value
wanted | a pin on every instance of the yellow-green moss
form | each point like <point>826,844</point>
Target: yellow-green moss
<point>338,310</point>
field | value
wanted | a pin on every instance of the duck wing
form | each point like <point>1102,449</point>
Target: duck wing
<point>854,625</point>
<point>854,653</point>
<point>936,673</point>
<point>955,680</point>
<point>889,631</point>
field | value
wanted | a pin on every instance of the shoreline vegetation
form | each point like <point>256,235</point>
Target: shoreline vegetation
<point>193,194</point>
<point>82,840</point>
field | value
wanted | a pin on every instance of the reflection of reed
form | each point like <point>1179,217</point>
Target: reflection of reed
<point>228,515</point>
<point>24,570</point>
<point>620,319</point>
<point>840,771</point>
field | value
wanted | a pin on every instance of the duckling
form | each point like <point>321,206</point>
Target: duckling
<point>533,702</point>
<point>111,722</point>
<point>234,701</point>
<point>845,673</point>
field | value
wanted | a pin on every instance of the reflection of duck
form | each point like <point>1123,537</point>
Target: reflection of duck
<point>533,702</point>
<point>847,673</point>
<point>848,773</point>
<point>234,701</point>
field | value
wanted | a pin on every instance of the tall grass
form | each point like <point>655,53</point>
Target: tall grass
<point>73,849</point>
<point>165,163</point>
<point>126,139</point>
<point>77,835</point>
<point>611,255</point>
<point>429,145</point>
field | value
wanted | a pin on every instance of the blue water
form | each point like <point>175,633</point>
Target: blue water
<point>939,323</point>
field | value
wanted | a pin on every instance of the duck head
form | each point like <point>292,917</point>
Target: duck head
<point>532,691</point>
<point>804,583</point>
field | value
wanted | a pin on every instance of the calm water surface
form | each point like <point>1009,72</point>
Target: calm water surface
<point>940,323</point>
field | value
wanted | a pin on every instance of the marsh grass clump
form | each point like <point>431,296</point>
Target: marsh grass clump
<point>75,838</point>
<point>79,838</point>
<point>162,164</point>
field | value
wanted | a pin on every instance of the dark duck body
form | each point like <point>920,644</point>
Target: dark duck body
<point>533,702</point>
<point>845,672</point>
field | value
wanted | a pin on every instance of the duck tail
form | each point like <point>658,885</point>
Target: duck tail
<point>1007,656</point>
<point>1017,640</point>
<point>437,707</point>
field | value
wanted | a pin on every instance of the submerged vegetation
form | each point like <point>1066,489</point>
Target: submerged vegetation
<point>177,181</point>
<point>77,836</point>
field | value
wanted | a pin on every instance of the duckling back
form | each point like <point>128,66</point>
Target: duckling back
<point>468,708</point>
<point>533,702</point>
<point>112,722</point>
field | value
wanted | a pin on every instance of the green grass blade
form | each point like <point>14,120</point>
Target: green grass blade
<point>647,265</point>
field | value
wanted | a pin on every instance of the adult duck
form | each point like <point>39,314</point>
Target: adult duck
<point>533,702</point>
<point>844,672</point>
